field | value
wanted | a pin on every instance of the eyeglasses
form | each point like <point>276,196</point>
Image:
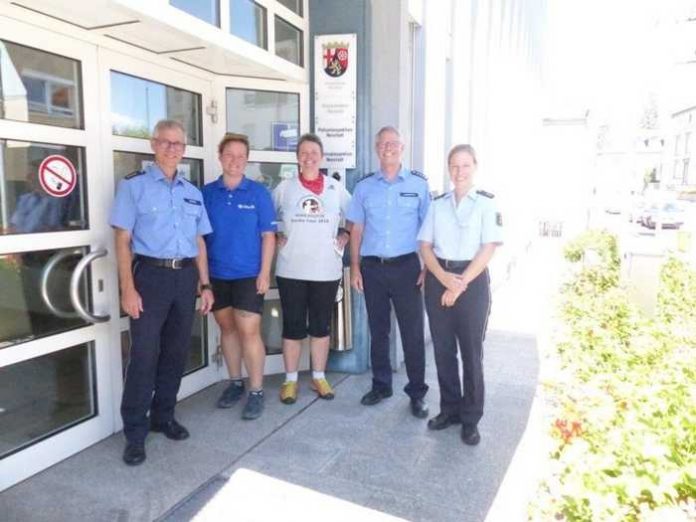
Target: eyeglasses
<point>388,145</point>
<point>166,144</point>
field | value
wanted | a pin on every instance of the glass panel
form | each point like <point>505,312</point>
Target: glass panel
<point>39,87</point>
<point>288,41</point>
<point>270,174</point>
<point>45,395</point>
<point>137,105</point>
<point>270,119</point>
<point>27,312</point>
<point>272,326</point>
<point>26,201</point>
<point>206,10</point>
<point>198,353</point>
<point>248,21</point>
<point>294,5</point>
<point>127,162</point>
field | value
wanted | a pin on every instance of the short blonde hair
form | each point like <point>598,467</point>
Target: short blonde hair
<point>463,147</point>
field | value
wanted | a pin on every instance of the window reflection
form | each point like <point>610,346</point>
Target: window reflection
<point>206,10</point>
<point>25,206</point>
<point>127,162</point>
<point>138,104</point>
<point>42,396</point>
<point>288,42</point>
<point>39,87</point>
<point>270,119</point>
<point>248,21</point>
<point>270,174</point>
<point>293,5</point>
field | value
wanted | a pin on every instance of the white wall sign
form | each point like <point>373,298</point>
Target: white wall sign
<point>335,86</point>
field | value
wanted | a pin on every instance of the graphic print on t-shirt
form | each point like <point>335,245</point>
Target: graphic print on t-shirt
<point>311,205</point>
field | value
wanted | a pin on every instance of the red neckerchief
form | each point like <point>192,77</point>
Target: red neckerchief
<point>315,185</point>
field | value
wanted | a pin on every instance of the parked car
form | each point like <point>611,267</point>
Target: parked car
<point>670,215</point>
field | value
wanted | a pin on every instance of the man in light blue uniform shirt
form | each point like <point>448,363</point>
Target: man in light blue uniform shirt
<point>160,220</point>
<point>387,210</point>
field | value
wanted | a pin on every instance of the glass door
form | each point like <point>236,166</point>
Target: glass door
<point>273,114</point>
<point>137,95</point>
<point>56,396</point>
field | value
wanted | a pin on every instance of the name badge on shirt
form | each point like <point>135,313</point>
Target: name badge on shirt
<point>192,201</point>
<point>408,194</point>
<point>246,207</point>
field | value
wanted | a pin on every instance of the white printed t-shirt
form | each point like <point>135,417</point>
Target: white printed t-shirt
<point>310,222</point>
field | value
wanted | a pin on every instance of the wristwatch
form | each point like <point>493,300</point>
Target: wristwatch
<point>207,286</point>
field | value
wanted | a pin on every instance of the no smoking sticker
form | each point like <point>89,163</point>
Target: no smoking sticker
<point>57,176</point>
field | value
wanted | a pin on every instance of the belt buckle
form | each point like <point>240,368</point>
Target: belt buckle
<point>177,264</point>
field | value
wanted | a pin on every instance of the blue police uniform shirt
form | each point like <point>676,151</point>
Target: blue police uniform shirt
<point>391,212</point>
<point>37,213</point>
<point>239,217</point>
<point>163,217</point>
<point>457,231</point>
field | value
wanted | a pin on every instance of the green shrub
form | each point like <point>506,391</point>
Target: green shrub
<point>624,402</point>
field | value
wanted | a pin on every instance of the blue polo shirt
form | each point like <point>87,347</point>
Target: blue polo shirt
<point>390,212</point>
<point>164,217</point>
<point>239,217</point>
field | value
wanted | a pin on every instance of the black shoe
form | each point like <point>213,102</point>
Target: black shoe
<point>419,408</point>
<point>374,396</point>
<point>134,453</point>
<point>172,430</point>
<point>254,406</point>
<point>442,421</point>
<point>231,394</point>
<point>470,435</point>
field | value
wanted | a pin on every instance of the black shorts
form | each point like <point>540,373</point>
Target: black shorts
<point>240,294</point>
<point>299,299</point>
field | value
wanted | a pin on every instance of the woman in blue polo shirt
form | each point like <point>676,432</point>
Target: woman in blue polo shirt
<point>240,252</point>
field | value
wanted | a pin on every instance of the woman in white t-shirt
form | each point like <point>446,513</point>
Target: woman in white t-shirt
<point>309,267</point>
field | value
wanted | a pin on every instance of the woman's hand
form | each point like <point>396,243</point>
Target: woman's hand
<point>263,283</point>
<point>453,282</point>
<point>281,239</point>
<point>449,298</point>
<point>342,240</point>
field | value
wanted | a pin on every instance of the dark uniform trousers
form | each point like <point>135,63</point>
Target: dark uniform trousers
<point>160,341</point>
<point>395,281</point>
<point>465,322</point>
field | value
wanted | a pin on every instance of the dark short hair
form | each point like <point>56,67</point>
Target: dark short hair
<point>311,138</point>
<point>463,147</point>
<point>232,137</point>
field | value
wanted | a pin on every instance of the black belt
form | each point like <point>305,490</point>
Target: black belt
<point>173,264</point>
<point>388,260</point>
<point>454,265</point>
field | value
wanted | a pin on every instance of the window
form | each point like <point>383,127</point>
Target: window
<point>271,174</point>
<point>294,5</point>
<point>127,162</point>
<point>206,10</point>
<point>45,395</point>
<point>270,119</point>
<point>138,104</point>
<point>27,205</point>
<point>288,42</point>
<point>39,87</point>
<point>248,21</point>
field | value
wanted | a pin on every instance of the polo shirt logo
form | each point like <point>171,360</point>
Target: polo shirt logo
<point>409,194</point>
<point>246,207</point>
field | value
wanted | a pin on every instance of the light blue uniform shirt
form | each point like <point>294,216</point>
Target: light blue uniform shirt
<point>164,218</point>
<point>458,231</point>
<point>391,213</point>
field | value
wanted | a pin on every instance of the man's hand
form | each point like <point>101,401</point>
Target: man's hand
<point>421,277</point>
<point>356,280</point>
<point>263,283</point>
<point>132,303</point>
<point>207,301</point>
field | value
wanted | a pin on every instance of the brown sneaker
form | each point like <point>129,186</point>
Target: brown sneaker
<point>323,389</point>
<point>288,392</point>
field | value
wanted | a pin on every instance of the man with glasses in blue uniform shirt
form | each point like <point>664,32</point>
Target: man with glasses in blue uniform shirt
<point>387,210</point>
<point>159,221</point>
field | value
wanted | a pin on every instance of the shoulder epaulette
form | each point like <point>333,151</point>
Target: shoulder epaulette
<point>135,174</point>
<point>365,177</point>
<point>485,194</point>
<point>440,196</point>
<point>419,174</point>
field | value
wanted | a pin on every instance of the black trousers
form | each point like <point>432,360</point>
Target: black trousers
<point>160,341</point>
<point>395,283</point>
<point>466,323</point>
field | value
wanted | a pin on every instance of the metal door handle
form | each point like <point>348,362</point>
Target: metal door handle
<point>75,288</point>
<point>46,274</point>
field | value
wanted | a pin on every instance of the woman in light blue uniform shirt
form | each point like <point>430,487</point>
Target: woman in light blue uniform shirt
<point>457,240</point>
